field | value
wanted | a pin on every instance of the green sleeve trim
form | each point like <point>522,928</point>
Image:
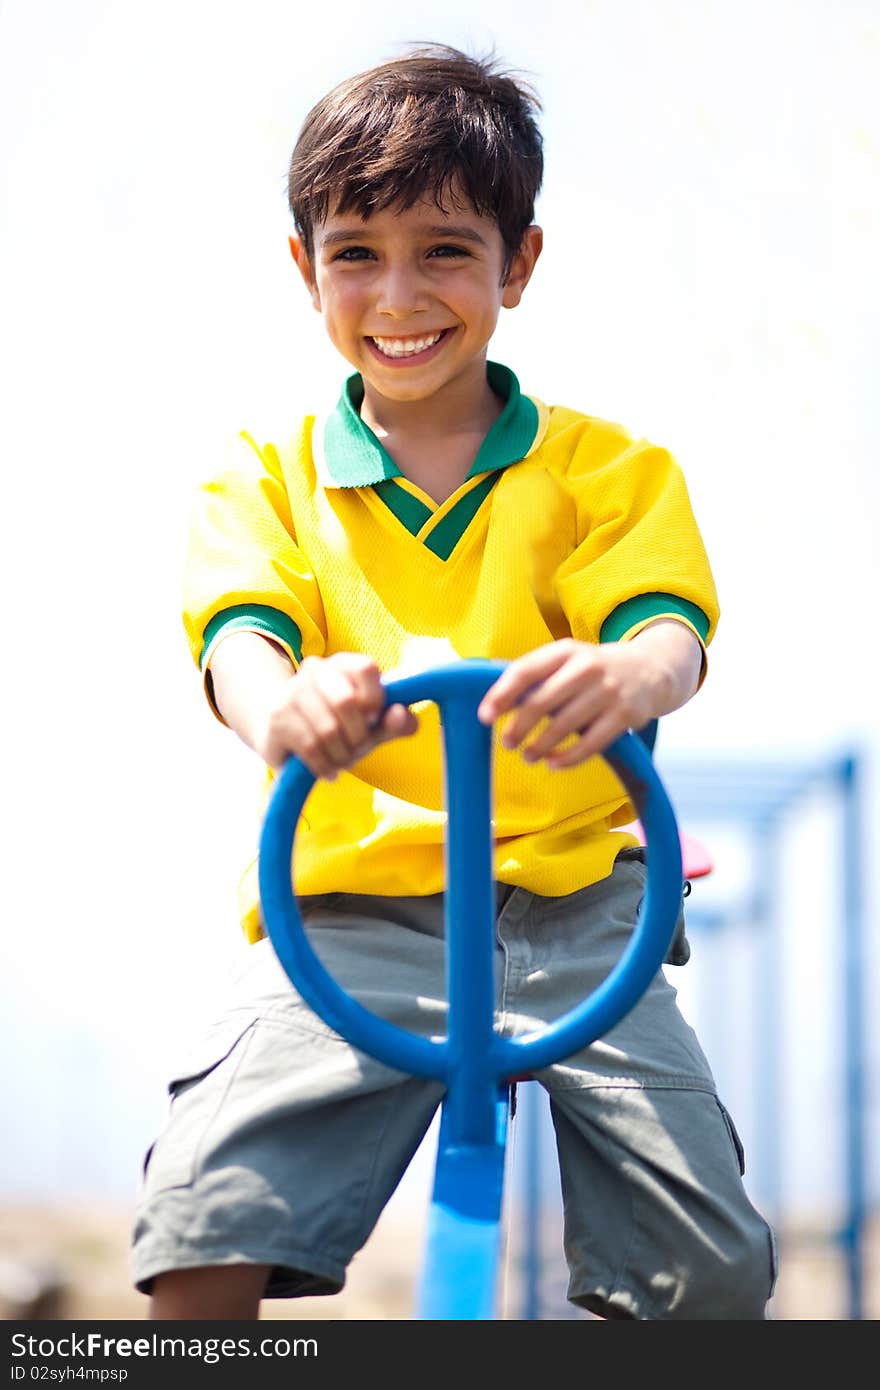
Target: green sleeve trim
<point>254,617</point>
<point>646,606</point>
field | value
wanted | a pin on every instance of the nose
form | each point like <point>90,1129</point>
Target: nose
<point>401,292</point>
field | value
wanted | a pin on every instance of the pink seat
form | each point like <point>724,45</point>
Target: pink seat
<point>696,859</point>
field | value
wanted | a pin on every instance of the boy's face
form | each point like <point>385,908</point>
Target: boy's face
<point>411,297</point>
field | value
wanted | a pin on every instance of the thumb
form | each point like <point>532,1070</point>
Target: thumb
<point>397,721</point>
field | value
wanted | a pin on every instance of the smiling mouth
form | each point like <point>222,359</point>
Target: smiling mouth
<point>402,349</point>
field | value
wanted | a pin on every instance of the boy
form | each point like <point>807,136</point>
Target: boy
<point>437,512</point>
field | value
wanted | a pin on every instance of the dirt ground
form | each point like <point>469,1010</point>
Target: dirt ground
<point>71,1263</point>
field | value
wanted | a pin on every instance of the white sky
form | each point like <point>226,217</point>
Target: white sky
<point>709,279</point>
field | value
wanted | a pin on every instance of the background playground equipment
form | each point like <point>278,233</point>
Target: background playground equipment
<point>749,980</point>
<point>476,1063</point>
<point>764,802</point>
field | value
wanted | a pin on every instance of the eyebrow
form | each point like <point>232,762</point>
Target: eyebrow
<point>440,229</point>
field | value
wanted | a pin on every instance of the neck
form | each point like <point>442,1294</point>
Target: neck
<point>465,405</point>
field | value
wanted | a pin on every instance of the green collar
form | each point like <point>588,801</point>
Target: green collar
<point>354,457</point>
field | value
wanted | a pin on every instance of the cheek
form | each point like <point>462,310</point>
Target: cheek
<point>343,307</point>
<point>480,302</point>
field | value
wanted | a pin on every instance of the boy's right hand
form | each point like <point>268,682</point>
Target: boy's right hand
<point>330,714</point>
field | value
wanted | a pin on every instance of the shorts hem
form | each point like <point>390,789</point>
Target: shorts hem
<point>293,1273</point>
<point>619,1304</point>
<point>594,1081</point>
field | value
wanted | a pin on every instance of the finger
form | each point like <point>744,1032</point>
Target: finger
<point>591,743</point>
<point>366,679</point>
<point>302,742</point>
<point>574,716</point>
<point>398,721</point>
<point>345,697</point>
<point>322,734</point>
<point>520,675</point>
<point>522,721</point>
<point>566,698</point>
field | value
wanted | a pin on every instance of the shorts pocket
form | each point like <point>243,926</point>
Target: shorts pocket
<point>311,903</point>
<point>197,1090</point>
<point>734,1137</point>
<point>679,952</point>
<point>774,1261</point>
<point>208,1052</point>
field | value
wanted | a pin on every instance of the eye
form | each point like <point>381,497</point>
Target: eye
<point>448,250</point>
<point>353,253</point>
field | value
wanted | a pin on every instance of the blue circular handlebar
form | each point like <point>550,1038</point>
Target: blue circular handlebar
<point>457,689</point>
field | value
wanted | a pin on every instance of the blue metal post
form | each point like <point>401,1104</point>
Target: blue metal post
<point>768,1027</point>
<point>854,1040</point>
<point>470,921</point>
<point>458,1278</point>
<point>531,1122</point>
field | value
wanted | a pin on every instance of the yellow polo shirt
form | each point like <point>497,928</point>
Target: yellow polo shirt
<point>564,526</point>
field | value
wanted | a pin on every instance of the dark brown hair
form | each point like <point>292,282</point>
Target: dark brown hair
<point>434,123</point>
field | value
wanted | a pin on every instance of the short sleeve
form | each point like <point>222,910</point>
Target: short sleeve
<point>244,570</point>
<point>640,555</point>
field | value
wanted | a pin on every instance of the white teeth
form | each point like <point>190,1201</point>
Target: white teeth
<point>405,347</point>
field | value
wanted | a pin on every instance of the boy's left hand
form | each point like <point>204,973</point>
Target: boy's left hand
<point>595,692</point>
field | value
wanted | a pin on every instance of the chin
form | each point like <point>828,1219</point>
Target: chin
<point>396,390</point>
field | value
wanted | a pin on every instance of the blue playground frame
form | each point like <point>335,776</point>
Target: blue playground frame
<point>475,1062</point>
<point>760,796</point>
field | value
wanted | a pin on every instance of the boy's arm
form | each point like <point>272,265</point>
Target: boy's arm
<point>328,711</point>
<point>595,692</point>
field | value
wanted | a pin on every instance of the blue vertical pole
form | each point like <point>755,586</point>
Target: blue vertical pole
<point>768,993</point>
<point>470,922</point>
<point>459,1275</point>
<point>854,1035</point>
<point>530,1123</point>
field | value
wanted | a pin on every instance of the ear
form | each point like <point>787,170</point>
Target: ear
<point>521,266</point>
<point>304,266</point>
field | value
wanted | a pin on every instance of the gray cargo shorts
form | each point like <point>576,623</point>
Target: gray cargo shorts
<point>283,1142</point>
